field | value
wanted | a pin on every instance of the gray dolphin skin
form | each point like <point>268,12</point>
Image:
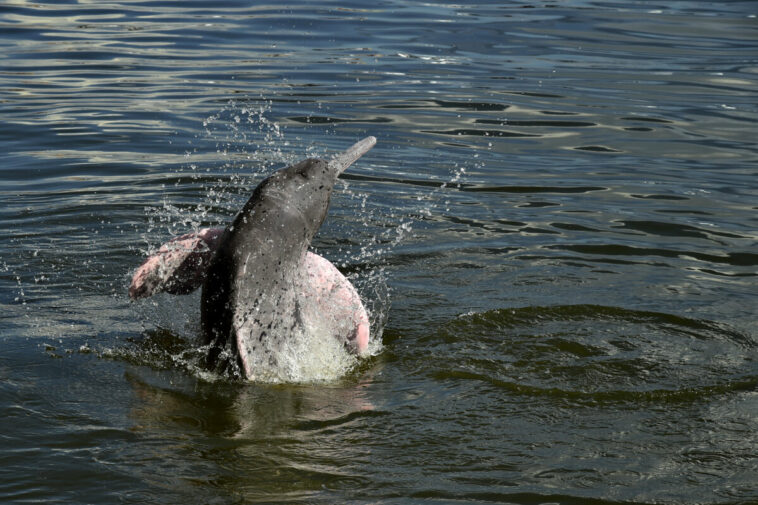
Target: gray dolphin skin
<point>252,298</point>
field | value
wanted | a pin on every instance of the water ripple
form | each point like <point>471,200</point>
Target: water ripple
<point>577,178</point>
<point>595,354</point>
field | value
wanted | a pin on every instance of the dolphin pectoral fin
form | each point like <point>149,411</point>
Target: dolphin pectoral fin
<point>337,300</point>
<point>178,267</point>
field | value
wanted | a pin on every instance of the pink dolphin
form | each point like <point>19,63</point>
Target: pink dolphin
<point>180,266</point>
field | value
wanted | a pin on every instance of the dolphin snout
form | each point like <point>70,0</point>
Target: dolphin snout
<point>341,161</point>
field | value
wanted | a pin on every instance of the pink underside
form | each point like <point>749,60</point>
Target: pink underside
<point>172,257</point>
<point>337,295</point>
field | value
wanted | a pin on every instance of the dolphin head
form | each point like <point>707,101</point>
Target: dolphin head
<point>302,191</point>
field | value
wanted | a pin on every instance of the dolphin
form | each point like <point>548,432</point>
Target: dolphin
<point>180,266</point>
<point>261,287</point>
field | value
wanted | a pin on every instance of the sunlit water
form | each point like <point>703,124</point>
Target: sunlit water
<point>555,237</point>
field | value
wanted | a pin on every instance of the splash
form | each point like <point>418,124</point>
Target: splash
<point>308,354</point>
<point>238,147</point>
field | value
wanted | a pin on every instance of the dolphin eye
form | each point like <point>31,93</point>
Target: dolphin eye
<point>303,174</point>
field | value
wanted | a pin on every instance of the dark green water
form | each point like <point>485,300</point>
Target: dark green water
<point>556,235</point>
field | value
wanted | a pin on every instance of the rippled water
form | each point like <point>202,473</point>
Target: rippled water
<point>556,236</point>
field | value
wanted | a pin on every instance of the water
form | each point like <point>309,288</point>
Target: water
<point>556,236</point>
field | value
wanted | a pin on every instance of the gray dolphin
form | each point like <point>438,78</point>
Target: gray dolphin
<point>255,293</point>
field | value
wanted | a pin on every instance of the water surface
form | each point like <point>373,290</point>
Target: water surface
<point>556,236</point>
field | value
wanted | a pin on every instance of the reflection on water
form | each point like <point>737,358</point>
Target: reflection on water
<point>555,234</point>
<point>256,442</point>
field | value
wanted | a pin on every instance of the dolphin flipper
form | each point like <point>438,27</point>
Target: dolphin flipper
<point>178,267</point>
